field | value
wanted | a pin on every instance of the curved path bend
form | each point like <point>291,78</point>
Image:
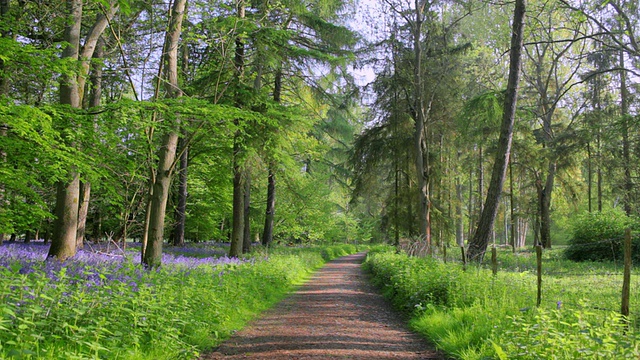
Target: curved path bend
<point>338,314</point>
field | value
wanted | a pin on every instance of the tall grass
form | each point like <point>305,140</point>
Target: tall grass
<point>474,315</point>
<point>105,307</point>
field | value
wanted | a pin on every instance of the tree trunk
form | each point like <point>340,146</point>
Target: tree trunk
<point>94,101</point>
<point>478,245</point>
<point>167,153</point>
<point>459,214</point>
<point>626,146</point>
<point>246,241</point>
<point>545,207</point>
<point>181,209</point>
<point>396,198</point>
<point>63,242</point>
<point>409,200</point>
<point>419,131</point>
<point>4,74</point>
<point>237,233</point>
<point>512,205</point>
<point>589,177</point>
<point>267,235</point>
<point>85,194</point>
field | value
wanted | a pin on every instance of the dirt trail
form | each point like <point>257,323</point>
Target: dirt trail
<point>337,314</point>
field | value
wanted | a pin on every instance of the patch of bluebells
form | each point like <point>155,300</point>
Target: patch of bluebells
<point>92,270</point>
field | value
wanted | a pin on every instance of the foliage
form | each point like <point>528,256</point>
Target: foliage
<point>100,306</point>
<point>474,315</point>
<point>599,236</point>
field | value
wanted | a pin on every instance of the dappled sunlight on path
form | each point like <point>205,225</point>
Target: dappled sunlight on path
<point>337,314</point>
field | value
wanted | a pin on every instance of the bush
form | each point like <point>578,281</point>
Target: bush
<point>599,236</point>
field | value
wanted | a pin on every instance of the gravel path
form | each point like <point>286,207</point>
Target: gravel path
<point>337,314</point>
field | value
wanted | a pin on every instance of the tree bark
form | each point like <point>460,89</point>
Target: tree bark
<point>4,78</point>
<point>512,205</point>
<point>237,233</point>
<point>267,235</point>
<point>167,152</point>
<point>83,211</point>
<point>480,240</point>
<point>181,209</point>
<point>94,101</point>
<point>92,42</point>
<point>626,146</point>
<point>246,241</point>
<point>545,207</point>
<point>419,130</point>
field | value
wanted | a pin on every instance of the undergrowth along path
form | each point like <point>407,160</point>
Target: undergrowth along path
<point>337,314</point>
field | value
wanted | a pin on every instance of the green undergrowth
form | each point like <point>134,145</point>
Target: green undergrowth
<point>174,312</point>
<point>474,315</point>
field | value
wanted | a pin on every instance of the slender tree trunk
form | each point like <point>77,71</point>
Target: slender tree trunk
<point>478,245</point>
<point>419,131</point>
<point>267,235</point>
<point>181,209</point>
<point>167,153</point>
<point>512,206</point>
<point>4,74</point>
<point>459,216</point>
<point>94,101</point>
<point>147,217</point>
<point>246,238</point>
<point>545,207</point>
<point>626,146</point>
<point>471,211</point>
<point>396,210</point>
<point>480,177</point>
<point>237,232</point>
<point>83,211</point>
<point>3,158</point>
<point>589,177</point>
<point>237,235</point>
<point>410,229</point>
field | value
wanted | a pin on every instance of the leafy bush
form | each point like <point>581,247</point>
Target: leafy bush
<point>336,251</point>
<point>564,334</point>
<point>409,282</point>
<point>598,236</point>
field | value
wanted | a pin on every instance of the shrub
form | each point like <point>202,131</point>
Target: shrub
<point>599,236</point>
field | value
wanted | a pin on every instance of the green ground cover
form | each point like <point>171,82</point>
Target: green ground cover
<point>474,315</point>
<point>96,306</point>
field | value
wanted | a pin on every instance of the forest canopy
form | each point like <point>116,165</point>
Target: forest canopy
<point>250,122</point>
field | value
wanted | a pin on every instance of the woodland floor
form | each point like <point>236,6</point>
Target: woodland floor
<point>337,314</point>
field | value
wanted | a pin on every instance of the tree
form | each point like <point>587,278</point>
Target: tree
<point>478,244</point>
<point>63,242</point>
<point>167,153</point>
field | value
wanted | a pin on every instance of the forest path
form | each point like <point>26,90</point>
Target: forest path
<point>336,314</point>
